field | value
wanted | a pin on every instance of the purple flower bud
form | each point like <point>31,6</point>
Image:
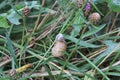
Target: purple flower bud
<point>88,6</point>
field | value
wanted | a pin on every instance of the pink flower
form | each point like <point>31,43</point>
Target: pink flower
<point>88,6</point>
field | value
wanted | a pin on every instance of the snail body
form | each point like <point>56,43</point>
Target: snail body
<point>59,47</point>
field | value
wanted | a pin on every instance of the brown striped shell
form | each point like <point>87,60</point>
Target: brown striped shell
<point>59,47</point>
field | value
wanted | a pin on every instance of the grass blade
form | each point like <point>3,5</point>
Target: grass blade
<point>12,52</point>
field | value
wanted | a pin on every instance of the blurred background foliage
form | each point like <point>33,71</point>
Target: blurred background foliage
<point>27,33</point>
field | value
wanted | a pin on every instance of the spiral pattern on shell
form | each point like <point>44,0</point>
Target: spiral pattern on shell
<point>59,47</point>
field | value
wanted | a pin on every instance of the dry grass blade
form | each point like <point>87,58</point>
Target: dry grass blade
<point>40,57</point>
<point>49,29</point>
<point>43,74</point>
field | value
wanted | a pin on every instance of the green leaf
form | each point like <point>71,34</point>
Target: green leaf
<point>116,68</point>
<point>49,72</point>
<point>3,4</point>
<point>89,75</point>
<point>92,64</point>
<point>99,1</point>
<point>93,31</point>
<point>69,65</point>
<point>13,17</point>
<point>81,43</point>
<point>93,4</point>
<point>77,24</point>
<point>15,14</point>
<point>79,19</point>
<point>76,30</point>
<point>5,78</point>
<point>12,52</point>
<point>110,47</point>
<point>63,4</point>
<point>3,22</point>
<point>114,5</point>
<point>114,73</point>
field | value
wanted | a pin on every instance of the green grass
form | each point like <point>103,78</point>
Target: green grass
<point>92,49</point>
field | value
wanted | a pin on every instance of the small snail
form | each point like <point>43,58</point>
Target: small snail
<point>94,17</point>
<point>59,47</point>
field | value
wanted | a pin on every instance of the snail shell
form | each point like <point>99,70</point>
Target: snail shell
<point>59,47</point>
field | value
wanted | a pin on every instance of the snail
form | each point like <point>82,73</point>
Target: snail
<point>94,17</point>
<point>59,47</point>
